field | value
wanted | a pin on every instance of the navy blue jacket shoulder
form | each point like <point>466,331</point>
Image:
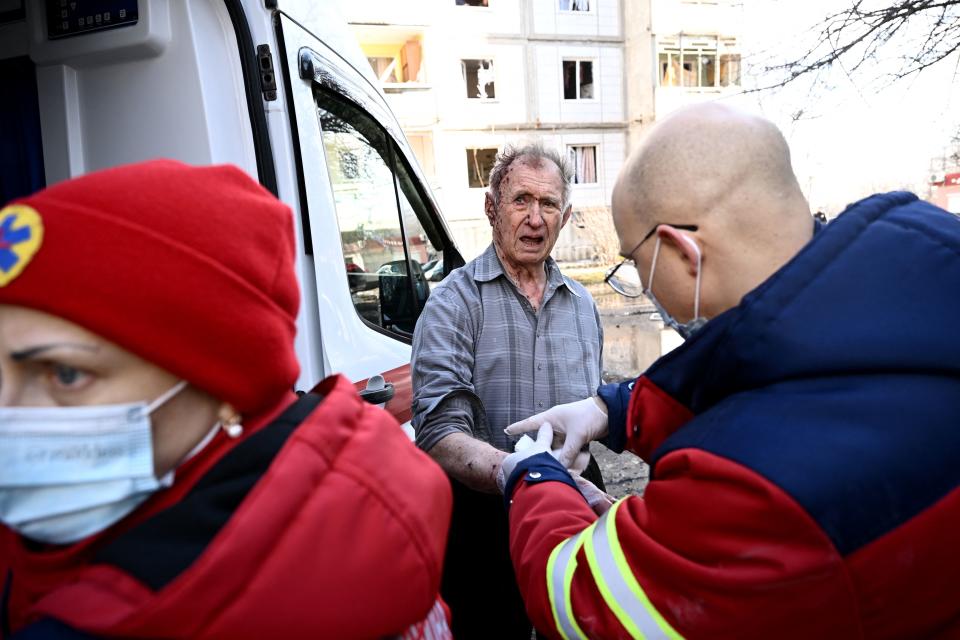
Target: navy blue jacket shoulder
<point>837,379</point>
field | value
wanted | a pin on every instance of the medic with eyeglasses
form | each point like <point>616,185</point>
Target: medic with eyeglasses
<point>804,441</point>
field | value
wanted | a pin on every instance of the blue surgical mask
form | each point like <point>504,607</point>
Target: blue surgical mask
<point>685,329</point>
<point>70,472</point>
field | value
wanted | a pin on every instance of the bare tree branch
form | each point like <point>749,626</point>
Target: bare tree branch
<point>919,33</point>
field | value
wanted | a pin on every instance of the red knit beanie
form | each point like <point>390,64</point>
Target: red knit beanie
<point>191,268</point>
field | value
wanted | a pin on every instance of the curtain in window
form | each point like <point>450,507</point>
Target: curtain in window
<point>584,161</point>
<point>589,170</point>
<point>412,56</point>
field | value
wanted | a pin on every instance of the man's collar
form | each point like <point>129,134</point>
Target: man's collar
<point>490,268</point>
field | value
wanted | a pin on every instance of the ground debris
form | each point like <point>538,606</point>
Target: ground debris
<point>624,474</point>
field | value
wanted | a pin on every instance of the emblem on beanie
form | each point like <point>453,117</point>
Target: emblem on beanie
<point>21,233</point>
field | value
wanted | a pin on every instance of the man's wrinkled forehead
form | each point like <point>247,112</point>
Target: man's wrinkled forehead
<point>532,169</point>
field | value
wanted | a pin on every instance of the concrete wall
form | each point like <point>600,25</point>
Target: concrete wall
<point>719,17</point>
<point>639,63</point>
<point>606,106</point>
<point>501,17</point>
<point>455,109</point>
<point>601,20</point>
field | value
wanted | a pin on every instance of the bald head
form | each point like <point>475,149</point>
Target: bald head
<point>706,157</point>
<point>727,172</point>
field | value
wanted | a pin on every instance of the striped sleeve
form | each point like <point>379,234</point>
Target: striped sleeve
<point>711,550</point>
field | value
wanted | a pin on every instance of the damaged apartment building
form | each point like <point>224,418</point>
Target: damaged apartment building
<point>466,77</point>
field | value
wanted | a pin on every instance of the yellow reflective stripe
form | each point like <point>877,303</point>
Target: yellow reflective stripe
<point>560,568</point>
<point>621,559</point>
<point>617,584</point>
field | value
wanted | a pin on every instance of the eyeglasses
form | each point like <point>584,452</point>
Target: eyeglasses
<point>626,282</point>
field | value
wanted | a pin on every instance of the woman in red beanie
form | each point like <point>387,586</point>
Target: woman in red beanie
<point>158,477</point>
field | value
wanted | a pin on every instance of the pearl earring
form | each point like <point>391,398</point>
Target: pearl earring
<point>232,427</point>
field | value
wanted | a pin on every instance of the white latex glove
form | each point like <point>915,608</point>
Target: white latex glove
<point>598,500</point>
<point>580,422</point>
<point>541,445</point>
<point>578,466</point>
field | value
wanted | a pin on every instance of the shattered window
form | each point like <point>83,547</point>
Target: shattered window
<point>479,164</point>
<point>730,70</point>
<point>698,62</point>
<point>479,79</point>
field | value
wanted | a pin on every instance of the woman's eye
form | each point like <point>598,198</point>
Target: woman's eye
<point>66,376</point>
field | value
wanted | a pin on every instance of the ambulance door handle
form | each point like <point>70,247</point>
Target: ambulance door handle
<point>378,390</point>
<point>378,396</point>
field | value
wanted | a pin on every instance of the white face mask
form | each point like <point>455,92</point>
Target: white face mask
<point>69,472</point>
<point>685,329</point>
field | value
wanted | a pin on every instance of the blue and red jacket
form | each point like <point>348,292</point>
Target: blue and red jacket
<point>805,459</point>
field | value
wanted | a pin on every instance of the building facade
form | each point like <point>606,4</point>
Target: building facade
<point>466,77</point>
<point>696,51</point>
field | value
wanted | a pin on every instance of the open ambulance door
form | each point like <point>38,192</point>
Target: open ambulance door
<point>366,214</point>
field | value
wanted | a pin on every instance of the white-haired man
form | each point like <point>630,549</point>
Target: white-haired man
<point>503,337</point>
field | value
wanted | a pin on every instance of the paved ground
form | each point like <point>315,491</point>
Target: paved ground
<point>624,474</point>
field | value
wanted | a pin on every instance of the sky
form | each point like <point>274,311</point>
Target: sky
<point>859,135</point>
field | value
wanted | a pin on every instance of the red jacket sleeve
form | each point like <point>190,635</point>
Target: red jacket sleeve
<point>341,534</point>
<point>716,550</point>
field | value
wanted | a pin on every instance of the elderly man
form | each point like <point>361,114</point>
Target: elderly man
<point>803,441</point>
<point>499,339</point>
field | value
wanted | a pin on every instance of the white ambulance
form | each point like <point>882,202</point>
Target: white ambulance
<point>278,87</point>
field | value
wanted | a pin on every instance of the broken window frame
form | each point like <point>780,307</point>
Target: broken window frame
<point>390,70</point>
<point>715,62</point>
<point>406,64</point>
<point>493,82</point>
<point>477,179</point>
<point>729,69</point>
